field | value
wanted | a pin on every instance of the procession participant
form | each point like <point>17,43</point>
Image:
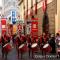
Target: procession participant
<point>28,37</point>
<point>5,46</point>
<point>8,37</point>
<point>18,43</point>
<point>21,44</point>
<point>13,38</point>
<point>34,45</point>
<point>57,40</point>
<point>2,39</point>
<point>39,41</point>
<point>11,41</point>
<point>52,43</point>
<point>43,40</point>
<point>23,38</point>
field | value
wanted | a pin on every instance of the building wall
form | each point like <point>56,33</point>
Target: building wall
<point>57,17</point>
<point>51,11</point>
<point>21,12</point>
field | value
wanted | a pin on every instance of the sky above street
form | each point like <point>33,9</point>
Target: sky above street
<point>1,3</point>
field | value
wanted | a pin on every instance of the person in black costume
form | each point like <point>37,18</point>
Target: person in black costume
<point>52,43</point>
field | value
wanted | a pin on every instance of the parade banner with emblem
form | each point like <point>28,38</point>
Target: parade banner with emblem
<point>34,27</point>
<point>3,23</point>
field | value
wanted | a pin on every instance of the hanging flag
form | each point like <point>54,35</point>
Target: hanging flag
<point>45,23</point>
<point>34,27</point>
<point>44,7</point>
<point>35,6</point>
<point>31,10</point>
<point>26,12</point>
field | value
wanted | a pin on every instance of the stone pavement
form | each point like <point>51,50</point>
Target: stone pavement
<point>13,56</point>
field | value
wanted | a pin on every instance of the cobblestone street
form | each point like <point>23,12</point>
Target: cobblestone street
<point>37,56</point>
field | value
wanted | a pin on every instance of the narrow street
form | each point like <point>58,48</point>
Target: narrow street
<point>37,56</point>
<point>30,29</point>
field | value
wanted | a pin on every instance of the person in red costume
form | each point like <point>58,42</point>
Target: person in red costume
<point>20,40</point>
<point>28,38</point>
<point>5,46</point>
<point>43,41</point>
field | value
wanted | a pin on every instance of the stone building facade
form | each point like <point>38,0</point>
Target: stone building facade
<point>51,11</point>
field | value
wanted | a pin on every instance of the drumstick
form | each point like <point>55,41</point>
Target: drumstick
<point>5,44</point>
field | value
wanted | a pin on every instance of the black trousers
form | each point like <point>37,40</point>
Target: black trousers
<point>4,54</point>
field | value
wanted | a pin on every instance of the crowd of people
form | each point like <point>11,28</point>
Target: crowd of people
<point>24,43</point>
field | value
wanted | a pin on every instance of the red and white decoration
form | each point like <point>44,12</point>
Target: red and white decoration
<point>34,27</point>
<point>3,23</point>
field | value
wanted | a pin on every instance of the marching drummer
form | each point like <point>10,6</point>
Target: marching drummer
<point>20,39</point>
<point>18,43</point>
<point>4,41</point>
<point>43,41</point>
<point>28,37</point>
<point>52,43</point>
<point>57,40</point>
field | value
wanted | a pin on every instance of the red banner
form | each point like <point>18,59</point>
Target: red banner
<point>3,23</point>
<point>34,28</point>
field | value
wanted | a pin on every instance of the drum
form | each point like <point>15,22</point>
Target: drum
<point>34,47</point>
<point>7,47</point>
<point>23,48</point>
<point>47,48</point>
<point>46,45</point>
